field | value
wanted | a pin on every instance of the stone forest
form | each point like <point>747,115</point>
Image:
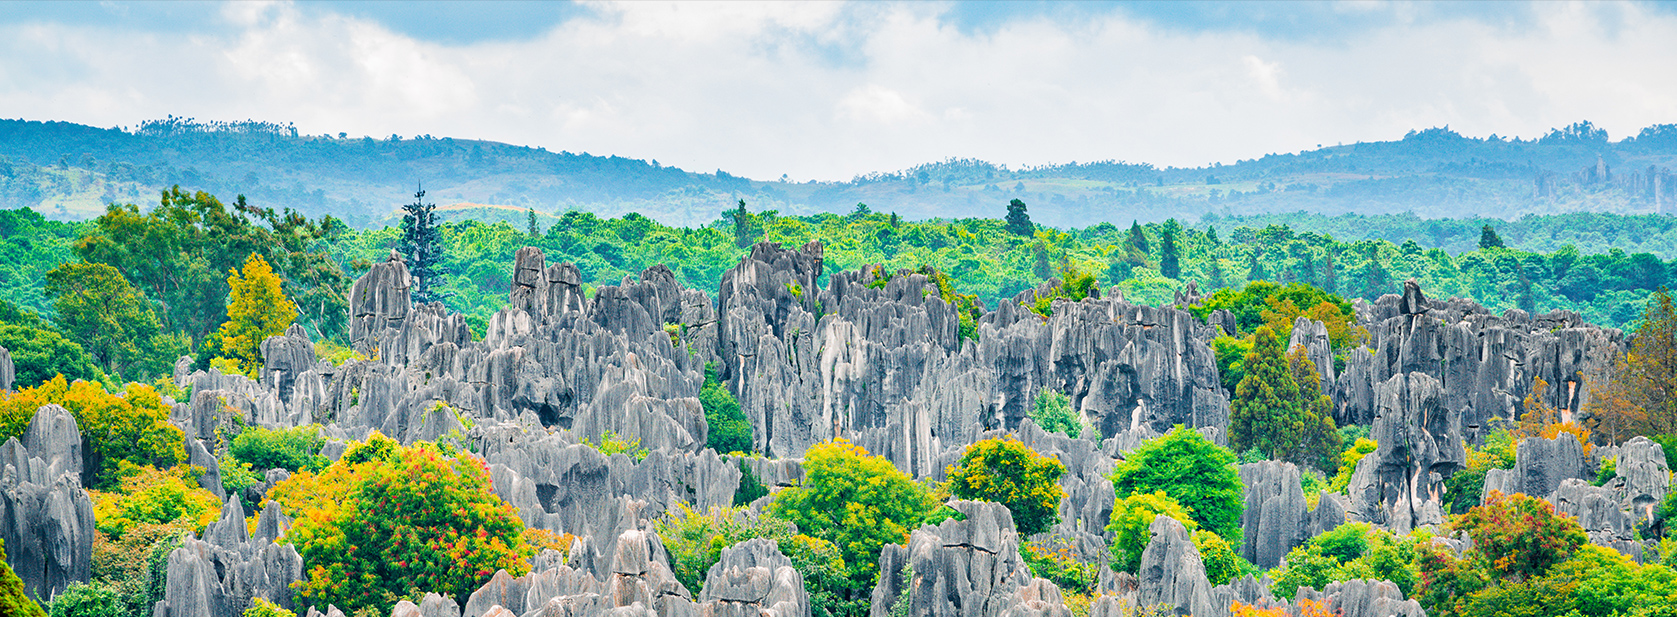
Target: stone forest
<point>801,442</point>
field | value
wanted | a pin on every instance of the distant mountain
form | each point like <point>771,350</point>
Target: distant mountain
<point>70,171</point>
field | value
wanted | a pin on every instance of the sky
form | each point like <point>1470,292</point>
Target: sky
<point>830,90</point>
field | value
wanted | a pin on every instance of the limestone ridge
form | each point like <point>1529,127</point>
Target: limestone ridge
<point>963,568</point>
<point>224,570</point>
<point>46,519</point>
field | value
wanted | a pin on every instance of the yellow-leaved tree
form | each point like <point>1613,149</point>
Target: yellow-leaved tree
<point>256,309</point>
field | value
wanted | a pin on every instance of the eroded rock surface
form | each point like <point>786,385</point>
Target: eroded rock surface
<point>46,519</point>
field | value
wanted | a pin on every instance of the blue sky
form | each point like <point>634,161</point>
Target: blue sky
<point>830,90</point>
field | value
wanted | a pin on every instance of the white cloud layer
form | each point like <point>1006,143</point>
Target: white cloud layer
<point>828,91</point>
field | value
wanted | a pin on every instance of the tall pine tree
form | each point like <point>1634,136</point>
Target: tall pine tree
<point>1488,238</point>
<point>1170,258</point>
<point>1138,237</point>
<point>422,244</point>
<point>1279,409</point>
<point>1018,221</point>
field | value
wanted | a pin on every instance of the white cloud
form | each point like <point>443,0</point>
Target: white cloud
<point>827,90</point>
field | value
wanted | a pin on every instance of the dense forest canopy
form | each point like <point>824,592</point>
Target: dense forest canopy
<point>69,171</point>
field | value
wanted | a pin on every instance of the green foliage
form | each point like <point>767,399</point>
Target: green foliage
<point>39,354</point>
<point>88,600</point>
<point>1488,238</point>
<point>695,541</point>
<point>1305,566</point>
<point>1132,522</point>
<point>1018,220</point>
<point>1463,488</point>
<point>1057,561</point>
<point>13,600</point>
<point>1345,542</point>
<point>750,487</point>
<point>100,311</point>
<point>1262,303</point>
<point>261,607</point>
<point>1348,464</point>
<point>1609,469</point>
<point>386,519</point>
<point>855,500</point>
<point>1196,473</point>
<point>422,246</point>
<point>1005,471</point>
<point>132,427</point>
<point>1278,415</point>
<point>1052,412</point>
<point>1521,536</point>
<point>730,431</point>
<point>149,496</point>
<point>612,443</point>
<point>1353,550</point>
<point>1221,563</point>
<point>292,449</point>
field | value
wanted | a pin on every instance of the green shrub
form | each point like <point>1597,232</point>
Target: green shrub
<point>261,607</point>
<point>1194,472</point>
<point>750,488</point>
<point>1221,563</point>
<point>292,449</point>
<point>1052,411</point>
<point>1348,463</point>
<point>1132,523</point>
<point>1056,561</point>
<point>730,431</point>
<point>855,500</point>
<point>612,443</point>
<point>694,541</point>
<point>88,600</point>
<point>1005,471</point>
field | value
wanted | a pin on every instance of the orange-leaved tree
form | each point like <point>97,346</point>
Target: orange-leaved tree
<point>386,521</point>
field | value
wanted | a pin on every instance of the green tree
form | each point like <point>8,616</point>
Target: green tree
<point>1052,412</point>
<point>39,354</point>
<point>1005,471</point>
<point>730,431</point>
<point>1132,523</point>
<point>1196,473</point>
<point>88,600</point>
<point>256,309</point>
<point>293,449</point>
<point>1170,258</point>
<point>98,309</point>
<point>855,500</point>
<point>1272,413</point>
<point>534,230</point>
<point>1018,220</point>
<point>1488,238</point>
<point>1138,238</point>
<point>421,244</point>
<point>386,520</point>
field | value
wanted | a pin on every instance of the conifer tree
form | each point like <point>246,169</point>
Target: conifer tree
<point>1138,237</point>
<point>1170,258</point>
<point>535,230</point>
<point>1488,238</point>
<point>1018,221</point>
<point>422,245</point>
<point>1255,265</point>
<point>1279,408</point>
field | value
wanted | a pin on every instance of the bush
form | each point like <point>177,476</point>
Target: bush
<point>39,354</point>
<point>1348,463</point>
<point>750,487</point>
<point>1304,566</point>
<point>88,600</point>
<point>1005,471</point>
<point>1056,561</point>
<point>1522,536</point>
<point>261,607</point>
<point>857,501</point>
<point>612,443</point>
<point>291,449</point>
<point>1221,563</point>
<point>694,541</point>
<point>1052,411</point>
<point>135,562</point>
<point>387,520</point>
<point>1345,542</point>
<point>1463,488</point>
<point>1196,473</point>
<point>132,427</point>
<point>730,431</point>
<point>1132,522</point>
<point>149,496</point>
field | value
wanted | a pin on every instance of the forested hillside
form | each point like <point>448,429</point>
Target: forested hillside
<point>70,172</point>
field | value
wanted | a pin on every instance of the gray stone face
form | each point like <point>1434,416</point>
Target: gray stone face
<point>224,570</point>
<point>8,373</point>
<point>967,568</point>
<point>1363,598</point>
<point>1540,465</point>
<point>1401,484</point>
<point>284,358</point>
<point>754,578</point>
<point>46,519</point>
<point>1275,518</point>
<point>1312,335</point>
<point>1172,573</point>
<point>1642,474</point>
<point>1597,511</point>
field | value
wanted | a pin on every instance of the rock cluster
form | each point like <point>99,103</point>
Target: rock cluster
<point>8,373</point>
<point>221,572</point>
<point>1401,484</point>
<point>1276,517</point>
<point>963,568</point>
<point>46,519</point>
<point>1540,466</point>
